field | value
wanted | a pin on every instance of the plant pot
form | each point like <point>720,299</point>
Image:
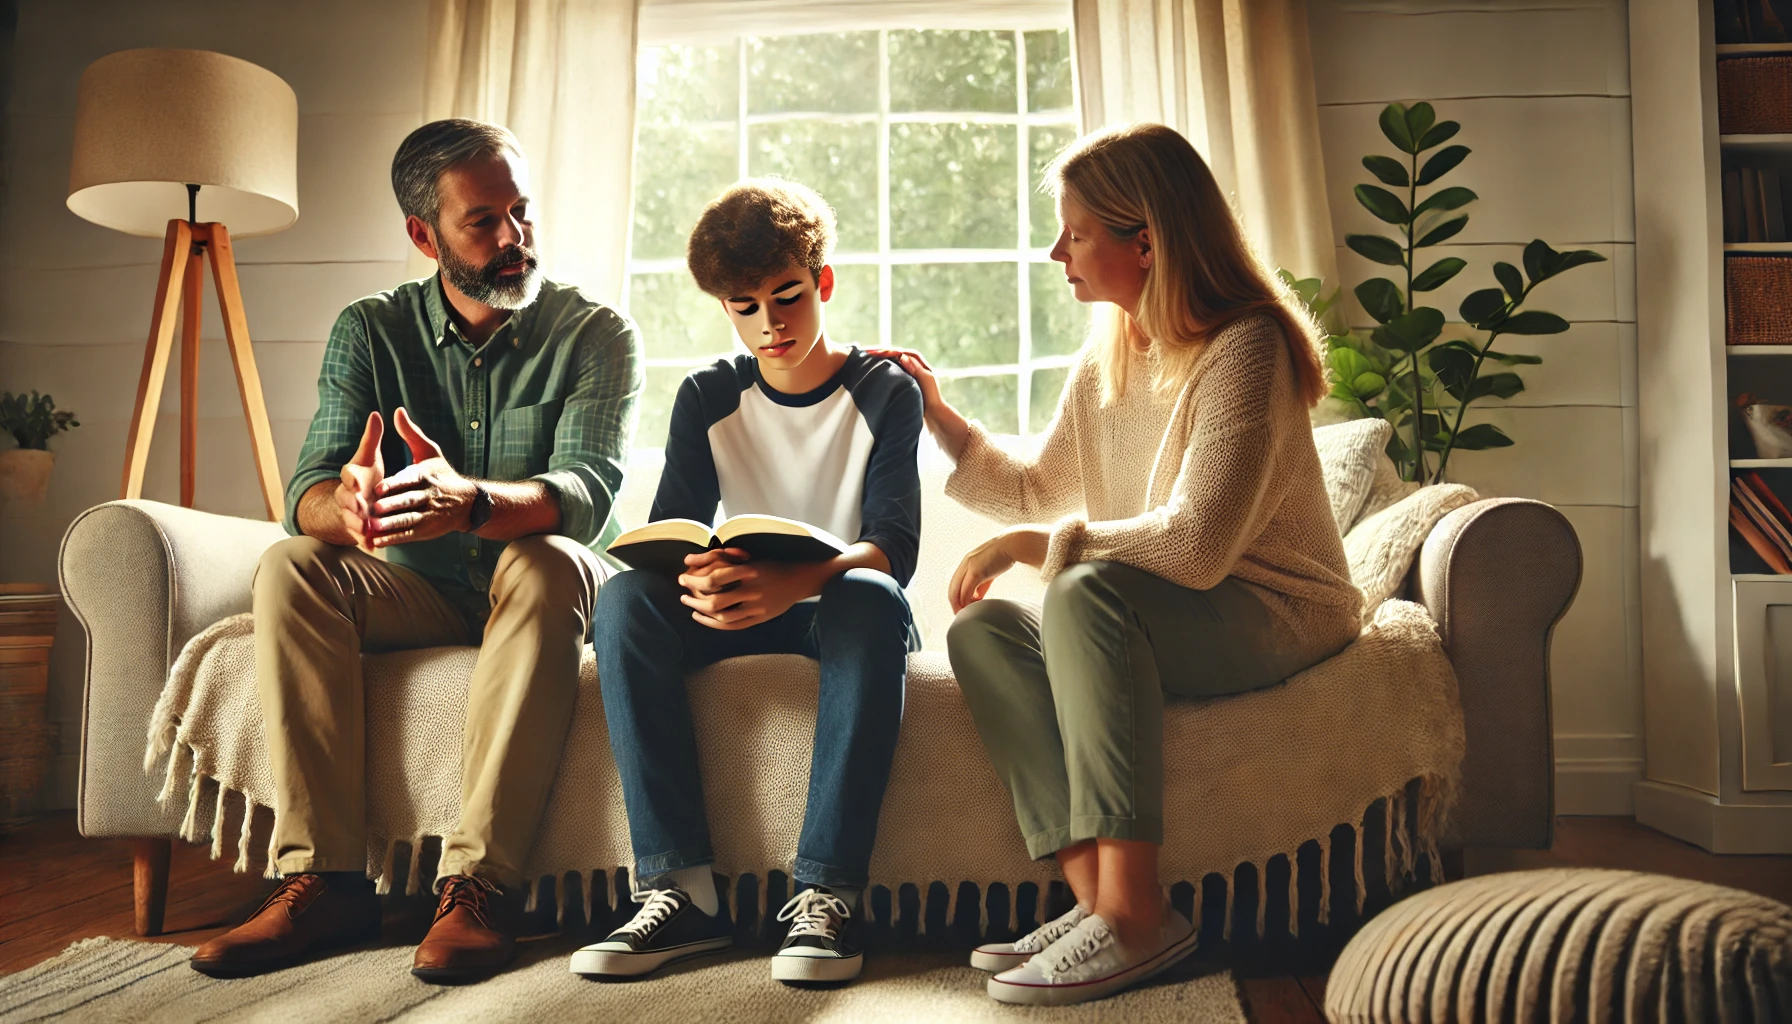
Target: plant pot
<point>27,630</point>
<point>25,474</point>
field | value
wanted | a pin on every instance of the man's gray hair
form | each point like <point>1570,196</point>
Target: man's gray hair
<point>427,152</point>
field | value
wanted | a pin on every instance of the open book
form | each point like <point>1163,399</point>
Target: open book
<point>662,546</point>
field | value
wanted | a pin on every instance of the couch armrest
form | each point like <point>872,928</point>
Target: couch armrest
<point>143,577</point>
<point>1497,575</point>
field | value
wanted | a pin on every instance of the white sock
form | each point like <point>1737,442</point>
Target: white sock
<point>699,882</point>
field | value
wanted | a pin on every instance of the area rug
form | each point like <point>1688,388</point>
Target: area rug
<point>150,983</point>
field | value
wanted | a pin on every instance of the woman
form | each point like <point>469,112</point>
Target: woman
<point>1205,561</point>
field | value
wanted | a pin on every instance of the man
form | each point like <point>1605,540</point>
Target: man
<point>510,401</point>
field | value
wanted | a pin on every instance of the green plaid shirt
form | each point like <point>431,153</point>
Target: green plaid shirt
<point>550,397</point>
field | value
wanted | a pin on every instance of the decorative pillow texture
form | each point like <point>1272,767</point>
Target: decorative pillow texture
<point>1347,454</point>
<point>1571,944</point>
<point>1385,489</point>
<point>1380,548</point>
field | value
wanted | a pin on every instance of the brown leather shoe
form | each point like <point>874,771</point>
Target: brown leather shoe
<point>306,915</point>
<point>472,936</point>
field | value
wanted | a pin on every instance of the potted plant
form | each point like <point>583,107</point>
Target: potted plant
<point>1409,370</point>
<point>32,420</point>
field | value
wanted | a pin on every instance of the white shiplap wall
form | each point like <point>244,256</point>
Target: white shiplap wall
<point>75,298</point>
<point>1541,88</point>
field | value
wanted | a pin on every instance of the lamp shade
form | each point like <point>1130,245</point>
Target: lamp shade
<point>150,122</point>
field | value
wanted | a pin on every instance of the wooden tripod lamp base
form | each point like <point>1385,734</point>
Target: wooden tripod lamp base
<point>178,295</point>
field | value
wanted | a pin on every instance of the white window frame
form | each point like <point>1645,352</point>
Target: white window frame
<point>1015,18</point>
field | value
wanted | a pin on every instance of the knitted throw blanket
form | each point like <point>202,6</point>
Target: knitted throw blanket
<point>1247,778</point>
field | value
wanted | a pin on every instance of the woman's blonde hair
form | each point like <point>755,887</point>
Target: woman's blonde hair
<point>1203,275</point>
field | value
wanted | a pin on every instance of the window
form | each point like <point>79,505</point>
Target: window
<point>929,145</point>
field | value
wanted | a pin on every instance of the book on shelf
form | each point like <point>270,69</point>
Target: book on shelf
<point>662,546</point>
<point>1754,205</point>
<point>1762,520</point>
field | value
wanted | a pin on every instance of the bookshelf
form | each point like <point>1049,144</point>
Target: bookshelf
<point>1716,623</point>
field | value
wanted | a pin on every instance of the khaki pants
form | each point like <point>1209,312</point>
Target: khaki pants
<point>319,607</point>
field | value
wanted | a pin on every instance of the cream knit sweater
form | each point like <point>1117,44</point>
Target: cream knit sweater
<point>1219,479</point>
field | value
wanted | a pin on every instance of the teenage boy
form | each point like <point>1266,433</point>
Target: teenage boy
<point>806,429</point>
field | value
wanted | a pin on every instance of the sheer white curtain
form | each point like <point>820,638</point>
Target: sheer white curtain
<point>1235,77</point>
<point>561,75</point>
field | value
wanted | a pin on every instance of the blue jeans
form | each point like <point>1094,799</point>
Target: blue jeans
<point>861,631</point>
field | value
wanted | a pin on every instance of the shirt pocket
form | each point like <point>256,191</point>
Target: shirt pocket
<point>524,440</point>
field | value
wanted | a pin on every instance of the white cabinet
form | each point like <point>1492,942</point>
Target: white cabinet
<point>1764,682</point>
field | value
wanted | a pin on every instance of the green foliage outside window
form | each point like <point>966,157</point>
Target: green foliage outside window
<point>958,148</point>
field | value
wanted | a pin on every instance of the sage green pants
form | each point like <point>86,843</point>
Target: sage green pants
<point>1069,698</point>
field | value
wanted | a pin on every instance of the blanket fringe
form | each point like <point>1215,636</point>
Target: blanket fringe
<point>1414,820</point>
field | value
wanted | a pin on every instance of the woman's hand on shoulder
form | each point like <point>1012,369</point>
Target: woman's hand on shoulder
<point>948,427</point>
<point>986,562</point>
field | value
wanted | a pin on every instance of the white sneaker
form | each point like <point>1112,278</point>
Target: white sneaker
<point>1088,962</point>
<point>1000,956</point>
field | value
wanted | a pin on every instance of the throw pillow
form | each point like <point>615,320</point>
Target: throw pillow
<point>1347,454</point>
<point>1385,489</point>
<point>1569,944</point>
<point>1380,548</point>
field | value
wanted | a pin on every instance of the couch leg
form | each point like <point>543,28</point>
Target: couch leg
<point>150,878</point>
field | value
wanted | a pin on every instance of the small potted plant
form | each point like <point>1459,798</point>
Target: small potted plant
<point>32,420</point>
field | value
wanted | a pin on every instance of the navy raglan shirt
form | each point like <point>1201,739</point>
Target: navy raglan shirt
<point>841,457</point>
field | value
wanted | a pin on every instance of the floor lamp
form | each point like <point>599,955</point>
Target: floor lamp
<point>162,136</point>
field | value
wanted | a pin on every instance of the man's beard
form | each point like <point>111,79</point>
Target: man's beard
<point>482,283</point>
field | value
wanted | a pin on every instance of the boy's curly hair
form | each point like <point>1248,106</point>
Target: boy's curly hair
<point>755,229</point>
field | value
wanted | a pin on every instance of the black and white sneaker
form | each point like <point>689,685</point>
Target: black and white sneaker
<point>823,944</point>
<point>668,927</point>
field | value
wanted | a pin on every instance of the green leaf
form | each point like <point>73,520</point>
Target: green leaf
<point>1388,169</point>
<point>1393,125</point>
<point>1510,279</point>
<point>1381,299</point>
<point>1348,364</point>
<point>1410,332</point>
<point>1537,258</point>
<point>1534,321</point>
<point>1381,249</point>
<point>1499,385</point>
<point>1480,436</point>
<point>1444,230</point>
<point>1446,199</point>
<point>1419,119</point>
<point>1513,359</point>
<point>1574,258</point>
<point>1368,385</point>
<point>1342,392</point>
<point>1437,273</point>
<point>1479,309</point>
<point>1383,204</point>
<point>1440,164</point>
<point>1437,136</point>
<point>1454,366</point>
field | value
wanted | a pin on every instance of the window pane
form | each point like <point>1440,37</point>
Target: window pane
<point>687,83</point>
<point>837,160</point>
<point>952,70</point>
<point>958,314</point>
<point>952,186</point>
<point>1047,386</point>
<point>989,400</point>
<point>1060,323</point>
<point>852,312</point>
<point>814,73</point>
<point>678,170</point>
<point>677,320</point>
<point>1045,142</point>
<point>1048,71</point>
<point>656,404</point>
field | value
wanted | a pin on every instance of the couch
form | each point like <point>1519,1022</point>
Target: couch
<point>1492,577</point>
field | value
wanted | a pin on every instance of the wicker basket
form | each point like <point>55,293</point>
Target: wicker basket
<point>1754,95</point>
<point>1758,300</point>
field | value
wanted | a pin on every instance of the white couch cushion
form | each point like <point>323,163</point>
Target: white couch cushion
<point>1347,456</point>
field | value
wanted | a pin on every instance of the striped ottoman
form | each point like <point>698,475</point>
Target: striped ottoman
<point>1569,945</point>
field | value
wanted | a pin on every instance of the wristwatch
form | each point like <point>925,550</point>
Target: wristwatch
<point>482,508</point>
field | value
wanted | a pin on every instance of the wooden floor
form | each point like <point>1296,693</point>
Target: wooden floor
<point>56,887</point>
